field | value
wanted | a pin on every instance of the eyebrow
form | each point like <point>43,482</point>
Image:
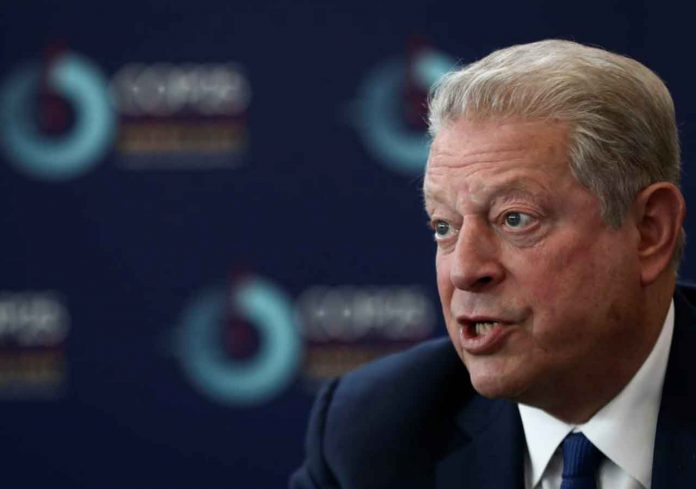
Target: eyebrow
<point>515,191</point>
<point>517,188</point>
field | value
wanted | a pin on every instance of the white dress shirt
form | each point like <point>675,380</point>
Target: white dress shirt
<point>623,430</point>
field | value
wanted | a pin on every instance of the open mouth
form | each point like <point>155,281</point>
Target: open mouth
<point>484,335</point>
<point>482,328</point>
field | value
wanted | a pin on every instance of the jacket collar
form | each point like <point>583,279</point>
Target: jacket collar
<point>674,462</point>
<point>492,455</point>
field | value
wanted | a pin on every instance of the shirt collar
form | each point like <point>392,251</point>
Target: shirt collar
<point>624,429</point>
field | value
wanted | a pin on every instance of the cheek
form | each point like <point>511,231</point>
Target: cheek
<point>445,290</point>
<point>571,290</point>
<point>569,265</point>
<point>444,284</point>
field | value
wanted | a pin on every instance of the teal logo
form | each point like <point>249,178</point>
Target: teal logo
<point>380,121</point>
<point>64,156</point>
<point>203,348</point>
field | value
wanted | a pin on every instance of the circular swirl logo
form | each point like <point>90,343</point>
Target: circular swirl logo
<point>224,367</point>
<point>79,82</point>
<point>381,124</point>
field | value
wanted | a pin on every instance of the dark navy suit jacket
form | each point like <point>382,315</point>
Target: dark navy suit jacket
<point>412,420</point>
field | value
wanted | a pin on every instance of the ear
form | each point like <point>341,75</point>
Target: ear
<point>659,211</point>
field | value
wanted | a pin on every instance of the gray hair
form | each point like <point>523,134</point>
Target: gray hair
<point>623,134</point>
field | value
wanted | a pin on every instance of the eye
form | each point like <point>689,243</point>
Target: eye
<point>442,229</point>
<point>517,220</point>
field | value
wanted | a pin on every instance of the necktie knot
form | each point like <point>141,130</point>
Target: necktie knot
<point>580,462</point>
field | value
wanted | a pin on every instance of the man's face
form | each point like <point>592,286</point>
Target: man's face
<point>537,291</point>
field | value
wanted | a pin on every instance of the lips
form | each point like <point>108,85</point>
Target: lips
<point>483,335</point>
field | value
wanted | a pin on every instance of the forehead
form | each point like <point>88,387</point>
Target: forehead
<point>518,154</point>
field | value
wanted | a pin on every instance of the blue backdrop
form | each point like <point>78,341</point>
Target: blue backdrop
<point>211,206</point>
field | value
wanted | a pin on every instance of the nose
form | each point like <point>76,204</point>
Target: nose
<point>476,264</point>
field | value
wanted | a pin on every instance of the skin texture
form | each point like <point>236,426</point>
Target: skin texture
<point>520,241</point>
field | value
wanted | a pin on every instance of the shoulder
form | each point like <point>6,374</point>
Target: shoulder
<point>390,418</point>
<point>685,297</point>
<point>428,371</point>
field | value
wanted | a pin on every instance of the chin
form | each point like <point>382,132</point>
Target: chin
<point>495,385</point>
<point>490,388</point>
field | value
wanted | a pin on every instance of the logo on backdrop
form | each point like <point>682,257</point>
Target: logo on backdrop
<point>181,116</point>
<point>390,115</point>
<point>240,345</point>
<point>244,344</point>
<point>56,118</point>
<point>34,326</point>
<point>345,326</point>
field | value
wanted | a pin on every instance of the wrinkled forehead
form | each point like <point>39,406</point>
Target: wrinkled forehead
<point>479,156</point>
<point>514,129</point>
<point>463,141</point>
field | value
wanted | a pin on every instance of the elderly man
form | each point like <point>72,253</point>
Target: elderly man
<point>552,190</point>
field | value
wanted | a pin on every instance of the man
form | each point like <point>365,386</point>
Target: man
<point>552,190</point>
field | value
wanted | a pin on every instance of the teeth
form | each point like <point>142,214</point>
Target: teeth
<point>484,328</point>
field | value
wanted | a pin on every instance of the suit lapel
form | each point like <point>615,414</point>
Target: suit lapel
<point>674,462</point>
<point>493,455</point>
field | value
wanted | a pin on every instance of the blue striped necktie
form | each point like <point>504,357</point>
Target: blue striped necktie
<point>580,462</point>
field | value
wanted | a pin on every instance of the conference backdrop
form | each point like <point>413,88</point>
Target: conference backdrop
<point>211,207</point>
